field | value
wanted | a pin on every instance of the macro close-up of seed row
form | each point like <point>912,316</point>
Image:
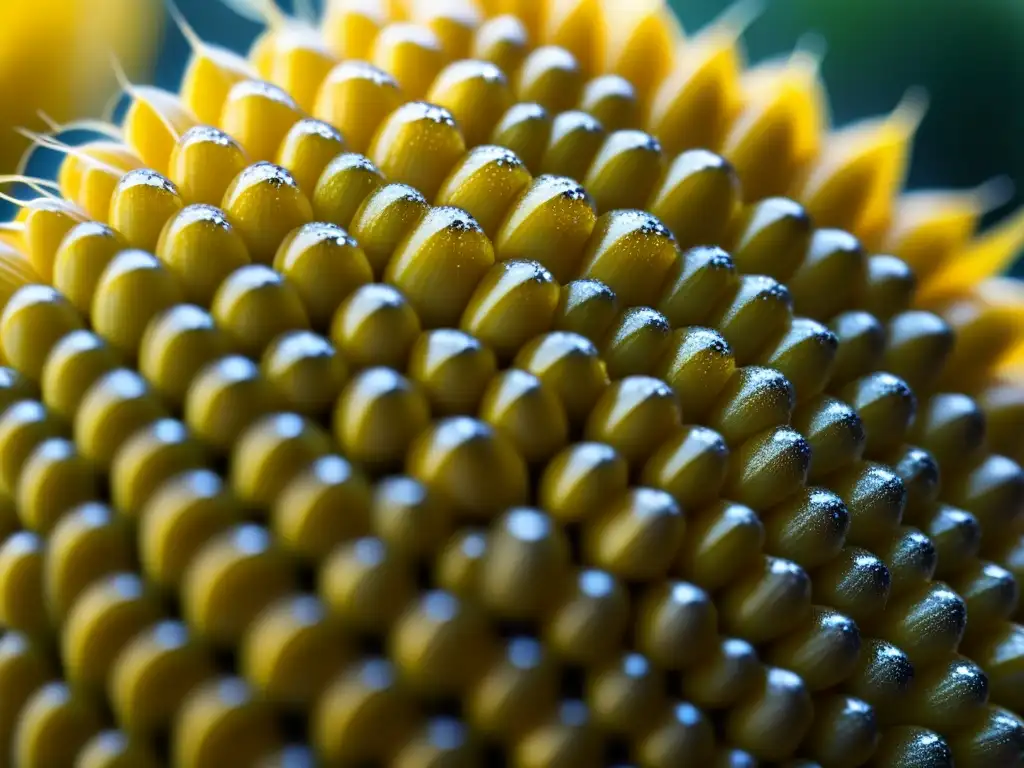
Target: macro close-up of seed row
<point>506,383</point>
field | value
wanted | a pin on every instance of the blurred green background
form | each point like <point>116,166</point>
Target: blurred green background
<point>967,53</point>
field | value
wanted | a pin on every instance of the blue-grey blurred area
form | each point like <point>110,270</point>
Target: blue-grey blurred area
<point>966,53</point>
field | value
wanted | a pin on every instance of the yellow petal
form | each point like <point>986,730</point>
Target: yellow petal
<point>988,254</point>
<point>579,27</point>
<point>642,41</point>
<point>696,102</point>
<point>862,168</point>
<point>779,132</point>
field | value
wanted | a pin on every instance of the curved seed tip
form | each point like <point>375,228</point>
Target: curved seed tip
<point>264,12</point>
<point>911,110</point>
<point>993,194</point>
<point>736,19</point>
<point>48,142</point>
<point>808,54</point>
<point>100,127</point>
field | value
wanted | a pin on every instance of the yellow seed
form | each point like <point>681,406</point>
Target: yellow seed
<point>634,254</point>
<point>177,344</point>
<point>636,535</point>
<point>691,465</point>
<point>845,731</point>
<point>466,460</point>
<point>808,528</point>
<point>306,150</point>
<point>770,238</point>
<point>754,399</point>
<point>133,289</point>
<point>151,456</point>
<point>805,355</point>
<point>203,163</point>
<point>683,734</point>
<point>882,676</point>
<point>200,248</point>
<point>111,747</point>
<point>410,519</point>
<point>54,726</point>
<point>636,342</point>
<point>224,398</point>
<point>305,520</point>
<point>377,416</point>
<point>232,578</point>
<point>550,76</point>
<point>258,116</point>
<point>874,496</point>
<point>71,368</point>
<point>856,583</point>
<point>697,198</point>
<point>767,602</point>
<point>677,624</point>
<point>346,182</point>
<point>886,406</point>
<point>383,220</point>
<point>45,224</point>
<point>611,100</point>
<point>439,265</point>
<point>80,260</point>
<point>355,98</point>
<point>324,265</point>
<point>587,308</point>
<point>305,370</point>
<point>861,346</point>
<point>178,520</point>
<point>911,559</point>
<point>768,467</point>
<point>486,184</point>
<point>525,552</point>
<point>222,719</point>
<point>33,321</point>
<point>453,369</point>
<point>823,650</point>
<point>727,673</point>
<point>990,488</point>
<point>255,304</point>
<point>349,28</point>
<point>889,287</point>
<point>115,407</point>
<point>53,480</point>
<point>502,40</point>
<point>698,365</point>
<point>418,144</point>
<point>634,416</point>
<point>624,695</point>
<point>519,405</point>
<point>363,715</point>
<point>518,690</point>
<point>300,63</point>
<point>758,311</point>
<point>90,176</point>
<point>153,123</point>
<point>142,203</point>
<point>209,76</point>
<point>514,301</point>
<point>476,93</point>
<point>569,365</point>
<point>525,129</point>
<point>580,479</point>
<point>264,204</point>
<point>440,644</point>
<point>375,325</point>
<point>410,53</point>
<point>995,737</point>
<point>576,138</point>
<point>365,584</point>
<point>626,170</point>
<point>270,453</point>
<point>927,624</point>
